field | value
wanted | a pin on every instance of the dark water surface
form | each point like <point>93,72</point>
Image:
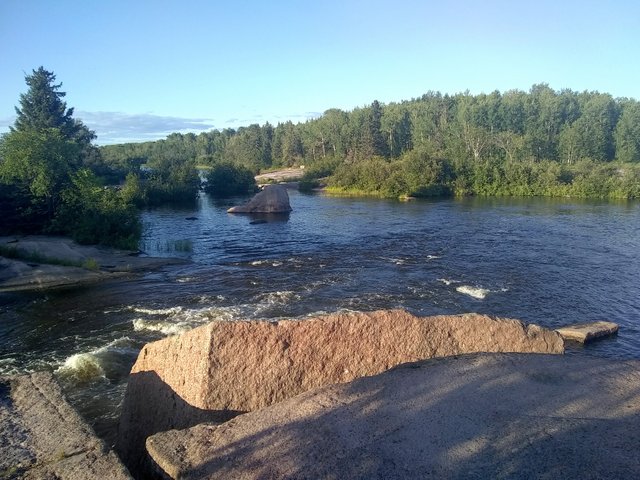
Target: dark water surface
<point>552,262</point>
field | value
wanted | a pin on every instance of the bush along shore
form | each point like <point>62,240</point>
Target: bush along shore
<point>420,175</point>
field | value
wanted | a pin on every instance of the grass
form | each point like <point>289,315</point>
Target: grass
<point>354,192</point>
<point>91,264</point>
<point>36,257</point>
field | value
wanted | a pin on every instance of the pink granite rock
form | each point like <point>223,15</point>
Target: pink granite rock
<point>224,368</point>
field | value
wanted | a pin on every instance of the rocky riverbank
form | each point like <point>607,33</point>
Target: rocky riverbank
<point>41,262</point>
<point>352,395</point>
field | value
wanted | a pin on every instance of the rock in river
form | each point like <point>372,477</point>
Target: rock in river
<point>272,199</point>
<point>224,368</point>
<point>586,332</point>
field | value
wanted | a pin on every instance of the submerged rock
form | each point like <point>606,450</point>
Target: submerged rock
<point>585,332</point>
<point>42,436</point>
<point>224,368</point>
<point>272,199</point>
<point>475,416</point>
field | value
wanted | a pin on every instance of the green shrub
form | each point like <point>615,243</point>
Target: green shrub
<point>93,214</point>
<point>226,179</point>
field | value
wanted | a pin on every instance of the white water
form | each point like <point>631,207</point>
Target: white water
<point>475,292</point>
<point>90,366</point>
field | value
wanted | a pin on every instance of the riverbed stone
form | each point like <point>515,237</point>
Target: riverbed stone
<point>224,368</point>
<point>586,332</point>
<point>271,199</point>
<point>42,436</point>
<point>473,416</point>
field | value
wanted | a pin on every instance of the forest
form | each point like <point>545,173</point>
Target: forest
<point>540,142</point>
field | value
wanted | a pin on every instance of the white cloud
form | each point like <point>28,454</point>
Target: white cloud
<point>5,123</point>
<point>118,127</point>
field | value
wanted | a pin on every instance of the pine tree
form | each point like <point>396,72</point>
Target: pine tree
<point>42,106</point>
<point>380,147</point>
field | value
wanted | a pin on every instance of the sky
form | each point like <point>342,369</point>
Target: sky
<point>139,70</point>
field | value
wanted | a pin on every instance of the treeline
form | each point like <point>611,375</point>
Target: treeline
<point>541,142</point>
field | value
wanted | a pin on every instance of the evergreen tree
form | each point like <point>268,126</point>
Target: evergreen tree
<point>627,134</point>
<point>42,106</point>
<point>379,144</point>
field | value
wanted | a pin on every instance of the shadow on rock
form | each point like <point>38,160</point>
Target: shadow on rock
<point>165,410</point>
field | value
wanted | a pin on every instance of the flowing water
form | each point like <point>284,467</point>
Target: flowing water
<point>552,262</point>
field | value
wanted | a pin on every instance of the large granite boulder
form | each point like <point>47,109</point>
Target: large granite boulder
<point>224,368</point>
<point>42,436</point>
<point>473,416</point>
<point>271,199</point>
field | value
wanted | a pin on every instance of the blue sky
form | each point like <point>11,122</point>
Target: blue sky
<point>139,70</point>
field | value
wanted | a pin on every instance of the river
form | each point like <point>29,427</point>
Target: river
<point>547,261</point>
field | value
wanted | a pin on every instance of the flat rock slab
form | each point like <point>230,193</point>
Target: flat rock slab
<point>284,175</point>
<point>585,332</point>
<point>18,275</point>
<point>42,436</point>
<point>475,416</point>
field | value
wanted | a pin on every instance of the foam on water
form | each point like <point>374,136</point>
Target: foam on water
<point>278,297</point>
<point>158,311</point>
<point>210,298</point>
<point>166,328</point>
<point>179,320</point>
<point>186,279</point>
<point>270,304</point>
<point>92,366</point>
<point>397,261</point>
<point>447,282</point>
<point>8,366</point>
<point>273,263</point>
<point>475,292</point>
<point>82,367</point>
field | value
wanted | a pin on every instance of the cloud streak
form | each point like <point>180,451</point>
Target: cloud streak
<point>118,127</point>
<point>5,123</point>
